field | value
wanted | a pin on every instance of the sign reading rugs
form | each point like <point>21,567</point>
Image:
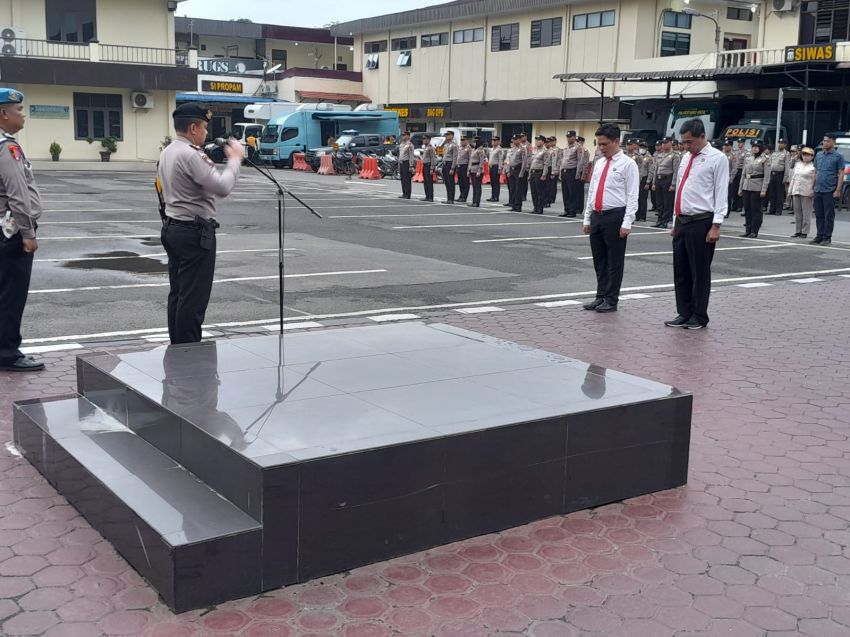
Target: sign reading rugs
<point>212,86</point>
<point>812,53</point>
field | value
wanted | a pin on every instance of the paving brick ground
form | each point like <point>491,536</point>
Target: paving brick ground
<point>757,544</point>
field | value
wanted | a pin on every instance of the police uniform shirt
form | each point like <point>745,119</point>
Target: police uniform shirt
<point>450,152</point>
<point>405,152</point>
<point>429,155</point>
<point>707,187</point>
<point>780,162</point>
<point>569,157</point>
<point>518,161</point>
<point>191,181</point>
<point>554,160</point>
<point>476,161</point>
<point>18,192</point>
<point>621,187</point>
<point>666,164</point>
<point>753,177</point>
<point>539,159</point>
<point>463,153</point>
<point>643,163</point>
<point>497,156</point>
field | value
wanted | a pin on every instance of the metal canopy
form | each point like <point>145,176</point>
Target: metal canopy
<point>684,75</point>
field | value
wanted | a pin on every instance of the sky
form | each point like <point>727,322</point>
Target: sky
<point>312,13</point>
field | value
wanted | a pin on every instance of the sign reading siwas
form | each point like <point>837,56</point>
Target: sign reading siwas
<point>810,53</point>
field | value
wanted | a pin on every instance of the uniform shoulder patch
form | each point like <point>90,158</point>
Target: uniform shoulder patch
<point>15,151</point>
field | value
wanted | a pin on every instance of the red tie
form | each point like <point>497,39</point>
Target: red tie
<point>600,189</point>
<point>678,208</point>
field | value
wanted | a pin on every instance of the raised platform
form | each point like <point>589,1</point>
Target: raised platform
<point>223,469</point>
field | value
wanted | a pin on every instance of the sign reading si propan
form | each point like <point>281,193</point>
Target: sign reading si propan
<point>810,53</point>
<point>48,111</point>
<point>229,66</point>
<point>214,86</point>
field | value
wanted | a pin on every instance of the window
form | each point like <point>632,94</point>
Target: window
<point>469,35</point>
<point>824,21</point>
<point>546,32</point>
<point>435,39</point>
<point>372,61</point>
<point>375,47</point>
<point>404,58</point>
<point>97,115</point>
<point>737,13</point>
<point>358,142</point>
<point>404,44</point>
<point>505,37</point>
<point>593,20</point>
<point>677,20</point>
<point>71,20</point>
<point>732,43</point>
<point>675,43</point>
<point>279,57</point>
<point>288,133</point>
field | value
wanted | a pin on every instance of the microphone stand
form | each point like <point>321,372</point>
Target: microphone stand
<point>281,209</point>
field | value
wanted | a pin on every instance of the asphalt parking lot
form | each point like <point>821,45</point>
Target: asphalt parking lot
<point>100,271</point>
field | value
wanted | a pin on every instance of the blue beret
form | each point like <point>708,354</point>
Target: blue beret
<point>10,96</point>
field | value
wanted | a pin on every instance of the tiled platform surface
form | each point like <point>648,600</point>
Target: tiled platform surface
<point>757,544</point>
<point>324,451</point>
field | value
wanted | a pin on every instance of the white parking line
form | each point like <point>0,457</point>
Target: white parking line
<point>480,225</point>
<point>558,303</point>
<point>809,280</point>
<point>571,236</point>
<point>88,210</point>
<point>109,236</point>
<point>663,252</point>
<point>384,318</point>
<point>44,349</point>
<point>635,296</point>
<point>421,214</point>
<point>98,221</point>
<point>301,325</point>
<point>754,285</point>
<point>479,310</point>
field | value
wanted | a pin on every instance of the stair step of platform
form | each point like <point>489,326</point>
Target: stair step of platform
<point>174,529</point>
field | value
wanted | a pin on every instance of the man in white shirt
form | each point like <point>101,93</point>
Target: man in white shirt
<point>700,206</point>
<point>611,207</point>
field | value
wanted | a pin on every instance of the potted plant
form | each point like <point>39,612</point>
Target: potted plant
<point>55,151</point>
<point>166,141</point>
<point>110,145</point>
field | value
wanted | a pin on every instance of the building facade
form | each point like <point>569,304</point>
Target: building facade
<point>87,75</point>
<point>499,62</point>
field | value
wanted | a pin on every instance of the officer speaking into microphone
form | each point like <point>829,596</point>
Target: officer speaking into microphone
<point>20,208</point>
<point>190,182</point>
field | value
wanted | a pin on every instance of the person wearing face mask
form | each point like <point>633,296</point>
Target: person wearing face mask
<point>802,192</point>
<point>644,162</point>
<point>753,190</point>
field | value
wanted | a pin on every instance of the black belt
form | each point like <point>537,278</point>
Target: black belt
<point>609,211</point>
<point>537,170</point>
<point>664,176</point>
<point>196,223</point>
<point>700,216</point>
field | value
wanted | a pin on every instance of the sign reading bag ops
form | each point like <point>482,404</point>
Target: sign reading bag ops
<point>810,53</point>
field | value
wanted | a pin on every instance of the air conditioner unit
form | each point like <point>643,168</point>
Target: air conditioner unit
<point>268,89</point>
<point>783,5</point>
<point>142,100</point>
<point>12,41</point>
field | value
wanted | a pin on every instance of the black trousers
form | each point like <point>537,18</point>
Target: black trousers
<point>643,194</point>
<point>495,186</point>
<point>463,181</point>
<point>753,211</point>
<point>191,265</point>
<point>692,256</point>
<point>538,190</point>
<point>428,181</point>
<point>568,184</point>
<point>551,188</point>
<point>578,194</point>
<point>406,177</point>
<point>515,188</point>
<point>738,201</point>
<point>776,192</point>
<point>15,274</point>
<point>476,180</point>
<point>609,253</point>
<point>449,181</point>
<point>665,198</point>
<point>523,188</point>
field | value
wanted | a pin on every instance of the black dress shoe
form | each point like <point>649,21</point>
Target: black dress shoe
<point>606,307</point>
<point>676,322</point>
<point>564,215</point>
<point>508,205</point>
<point>693,324</point>
<point>826,242</point>
<point>816,241</point>
<point>796,235</point>
<point>447,201</point>
<point>473,205</point>
<point>516,209</point>
<point>593,304</point>
<point>746,235</point>
<point>658,225</point>
<point>537,212</point>
<point>803,235</point>
<point>23,364</point>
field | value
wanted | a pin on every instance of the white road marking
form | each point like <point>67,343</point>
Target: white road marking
<point>846,276</point>
<point>88,210</point>
<point>383,318</point>
<point>421,214</point>
<point>479,225</point>
<point>558,303</point>
<point>157,255</point>
<point>74,223</point>
<point>571,236</point>
<point>667,252</point>
<point>44,349</point>
<point>754,285</point>
<point>441,306</point>
<point>635,296</point>
<point>809,280</point>
<point>94,288</point>
<point>109,236</point>
<point>301,325</point>
<point>479,310</point>
<point>158,338</point>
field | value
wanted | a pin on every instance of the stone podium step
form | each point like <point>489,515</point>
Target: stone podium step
<point>171,527</point>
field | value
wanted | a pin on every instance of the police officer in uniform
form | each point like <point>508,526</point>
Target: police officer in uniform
<point>584,167</point>
<point>462,168</point>
<point>450,150</point>
<point>406,164</point>
<point>523,181</point>
<point>666,166</point>
<point>20,209</point>
<point>494,162</point>
<point>429,161</point>
<point>780,174</point>
<point>554,171</point>
<point>190,183</point>
<point>518,175</point>
<point>644,162</point>
<point>740,157</point>
<point>476,171</point>
<point>539,167</point>
<point>569,181</point>
<point>753,189</point>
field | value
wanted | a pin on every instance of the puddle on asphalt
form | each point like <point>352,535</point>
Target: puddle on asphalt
<point>119,261</point>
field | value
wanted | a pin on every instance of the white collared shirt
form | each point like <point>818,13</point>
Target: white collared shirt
<point>621,187</point>
<point>707,186</point>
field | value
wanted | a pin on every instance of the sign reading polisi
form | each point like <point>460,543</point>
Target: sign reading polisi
<point>229,66</point>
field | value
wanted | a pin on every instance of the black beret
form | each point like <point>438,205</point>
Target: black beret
<point>191,110</point>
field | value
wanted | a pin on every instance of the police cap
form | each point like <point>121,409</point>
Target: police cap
<point>551,139</point>
<point>514,137</point>
<point>496,138</point>
<point>782,141</point>
<point>571,133</point>
<point>10,96</point>
<point>667,140</point>
<point>642,143</point>
<point>580,139</point>
<point>757,142</point>
<point>191,110</point>
<point>727,142</point>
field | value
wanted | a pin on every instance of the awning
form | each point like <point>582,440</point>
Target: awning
<point>333,97</point>
<point>684,75</point>
<point>232,99</point>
